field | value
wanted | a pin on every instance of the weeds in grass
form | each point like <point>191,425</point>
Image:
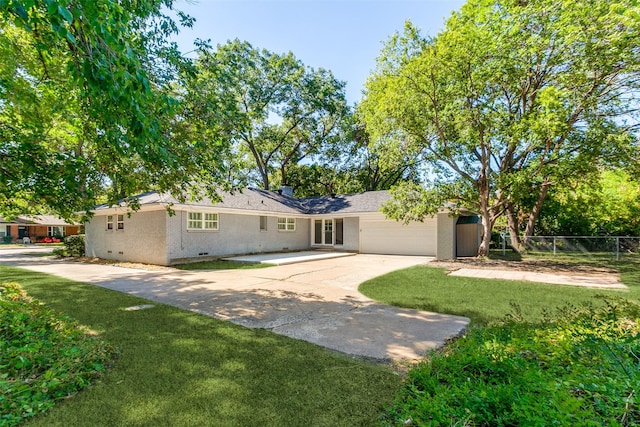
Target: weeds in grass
<point>581,366</point>
<point>44,357</point>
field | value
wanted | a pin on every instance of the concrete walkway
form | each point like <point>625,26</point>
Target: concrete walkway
<point>599,282</point>
<point>314,301</point>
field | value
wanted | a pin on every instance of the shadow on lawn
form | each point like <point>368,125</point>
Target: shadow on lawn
<point>347,323</point>
<point>177,368</point>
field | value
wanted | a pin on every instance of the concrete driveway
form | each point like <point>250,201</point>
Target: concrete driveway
<point>316,301</point>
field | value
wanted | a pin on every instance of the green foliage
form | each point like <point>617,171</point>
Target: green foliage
<point>87,101</point>
<point>511,99</point>
<point>581,366</point>
<point>613,199</point>
<point>44,357</point>
<point>269,107</point>
<point>74,245</point>
<point>179,368</point>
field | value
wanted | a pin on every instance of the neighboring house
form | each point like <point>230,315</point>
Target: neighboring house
<point>259,221</point>
<point>37,228</point>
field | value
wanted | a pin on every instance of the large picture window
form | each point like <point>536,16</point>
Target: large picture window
<point>55,231</point>
<point>286,224</point>
<point>203,221</point>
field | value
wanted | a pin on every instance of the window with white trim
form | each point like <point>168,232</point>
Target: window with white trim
<point>286,224</point>
<point>120,222</point>
<point>203,221</point>
<point>109,222</point>
<point>263,223</point>
<point>55,231</point>
<point>211,221</point>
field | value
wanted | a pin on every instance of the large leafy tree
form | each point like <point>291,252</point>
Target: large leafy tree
<point>86,103</point>
<point>269,106</point>
<point>511,99</point>
<point>608,204</point>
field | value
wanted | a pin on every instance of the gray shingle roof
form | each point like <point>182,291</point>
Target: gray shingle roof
<point>369,201</point>
<point>270,201</point>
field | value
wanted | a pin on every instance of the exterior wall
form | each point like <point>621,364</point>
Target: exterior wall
<point>237,234</point>
<point>36,232</point>
<point>351,234</point>
<point>143,238</point>
<point>446,248</point>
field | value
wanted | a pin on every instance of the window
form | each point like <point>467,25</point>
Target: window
<point>4,230</point>
<point>195,221</point>
<point>120,222</point>
<point>55,231</point>
<point>211,221</point>
<point>109,222</point>
<point>263,223</point>
<point>203,221</point>
<point>286,224</point>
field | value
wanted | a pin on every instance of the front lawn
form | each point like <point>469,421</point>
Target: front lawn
<point>534,355</point>
<point>178,368</point>
<point>486,300</point>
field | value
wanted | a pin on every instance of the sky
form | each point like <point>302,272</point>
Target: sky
<point>344,36</point>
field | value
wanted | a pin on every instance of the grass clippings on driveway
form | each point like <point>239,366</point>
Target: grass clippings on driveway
<point>178,368</point>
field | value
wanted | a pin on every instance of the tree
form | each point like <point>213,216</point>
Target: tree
<point>85,103</point>
<point>509,100</point>
<point>609,204</point>
<point>279,111</point>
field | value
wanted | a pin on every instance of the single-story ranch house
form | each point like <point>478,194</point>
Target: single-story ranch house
<point>38,228</point>
<point>260,221</point>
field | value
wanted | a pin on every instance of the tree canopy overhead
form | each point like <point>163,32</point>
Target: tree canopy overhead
<point>512,98</point>
<point>271,107</point>
<point>86,103</point>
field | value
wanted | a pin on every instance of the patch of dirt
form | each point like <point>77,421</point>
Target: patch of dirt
<point>537,266</point>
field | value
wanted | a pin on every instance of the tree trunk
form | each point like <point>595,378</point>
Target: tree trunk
<point>265,180</point>
<point>514,228</point>
<point>487,227</point>
<point>487,217</point>
<point>535,211</point>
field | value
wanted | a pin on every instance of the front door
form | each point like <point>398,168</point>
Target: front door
<point>328,232</point>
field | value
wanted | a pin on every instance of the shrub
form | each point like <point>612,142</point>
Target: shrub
<point>6,239</point>
<point>579,367</point>
<point>44,357</point>
<point>74,245</point>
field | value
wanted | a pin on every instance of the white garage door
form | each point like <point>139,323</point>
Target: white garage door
<point>392,237</point>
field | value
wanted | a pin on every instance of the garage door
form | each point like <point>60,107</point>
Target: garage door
<point>392,237</point>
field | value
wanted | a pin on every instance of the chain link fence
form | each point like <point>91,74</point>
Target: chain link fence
<point>616,246</point>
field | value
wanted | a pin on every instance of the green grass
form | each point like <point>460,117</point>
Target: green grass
<point>485,301</point>
<point>44,357</point>
<point>222,265</point>
<point>178,368</point>
<point>579,367</point>
<point>535,355</point>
